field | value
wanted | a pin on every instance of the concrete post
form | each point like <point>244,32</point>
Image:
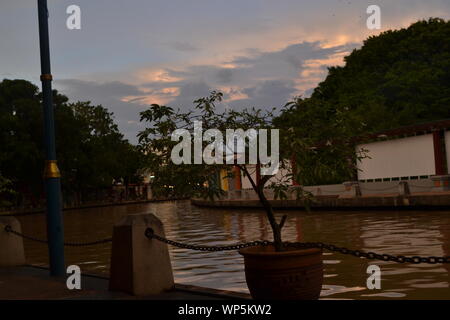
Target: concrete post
<point>139,265</point>
<point>11,246</point>
<point>352,190</point>
<point>403,188</point>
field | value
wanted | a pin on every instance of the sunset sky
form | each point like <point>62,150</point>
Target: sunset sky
<point>129,54</point>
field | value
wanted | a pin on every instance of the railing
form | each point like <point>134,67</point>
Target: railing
<point>403,188</point>
<point>150,234</point>
<point>9,229</point>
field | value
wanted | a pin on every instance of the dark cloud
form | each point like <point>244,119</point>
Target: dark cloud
<point>114,89</point>
<point>288,62</point>
<point>182,46</point>
<point>264,79</point>
<point>109,94</point>
<point>225,75</point>
<point>267,94</point>
<point>190,91</point>
<point>268,79</point>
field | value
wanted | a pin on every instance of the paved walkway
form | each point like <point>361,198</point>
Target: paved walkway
<point>34,283</point>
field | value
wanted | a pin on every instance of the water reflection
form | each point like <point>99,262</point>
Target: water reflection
<point>407,233</point>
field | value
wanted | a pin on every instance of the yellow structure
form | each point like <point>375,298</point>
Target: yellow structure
<point>223,180</point>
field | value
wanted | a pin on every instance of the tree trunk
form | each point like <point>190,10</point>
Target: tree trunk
<point>276,228</point>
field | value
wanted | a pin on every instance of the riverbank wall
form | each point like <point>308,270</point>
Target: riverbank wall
<point>417,194</point>
<point>387,202</point>
<point>18,212</point>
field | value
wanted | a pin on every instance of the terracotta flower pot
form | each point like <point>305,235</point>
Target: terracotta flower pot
<point>294,274</point>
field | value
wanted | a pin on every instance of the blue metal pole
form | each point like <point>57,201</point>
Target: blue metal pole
<point>51,172</point>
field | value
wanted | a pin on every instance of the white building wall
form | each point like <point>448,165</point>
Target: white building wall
<point>244,179</point>
<point>280,177</point>
<point>412,156</point>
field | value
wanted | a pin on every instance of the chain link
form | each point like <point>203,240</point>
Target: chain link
<point>149,233</point>
<point>67,244</point>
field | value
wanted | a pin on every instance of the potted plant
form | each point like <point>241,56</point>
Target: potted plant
<point>173,137</point>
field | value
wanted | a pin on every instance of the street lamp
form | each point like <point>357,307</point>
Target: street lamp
<point>52,176</point>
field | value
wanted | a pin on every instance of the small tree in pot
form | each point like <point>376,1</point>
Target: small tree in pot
<point>302,153</point>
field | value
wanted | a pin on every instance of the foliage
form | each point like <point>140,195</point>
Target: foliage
<point>91,151</point>
<point>6,192</point>
<point>397,78</point>
<point>321,136</point>
<point>198,179</point>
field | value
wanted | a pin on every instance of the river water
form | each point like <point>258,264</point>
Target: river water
<point>391,232</point>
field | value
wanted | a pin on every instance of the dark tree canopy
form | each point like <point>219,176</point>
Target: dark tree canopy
<point>90,149</point>
<point>397,78</point>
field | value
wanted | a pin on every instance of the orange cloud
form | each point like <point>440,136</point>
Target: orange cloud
<point>158,75</point>
<point>162,96</point>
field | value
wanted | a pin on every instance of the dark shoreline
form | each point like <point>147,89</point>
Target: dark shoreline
<point>379,203</point>
<point>86,206</point>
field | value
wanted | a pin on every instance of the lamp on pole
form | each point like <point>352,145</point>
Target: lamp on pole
<point>51,172</point>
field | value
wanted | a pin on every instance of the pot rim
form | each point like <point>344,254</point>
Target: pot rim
<point>251,252</point>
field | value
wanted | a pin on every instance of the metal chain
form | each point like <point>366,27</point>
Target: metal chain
<point>149,233</point>
<point>370,255</point>
<point>67,244</point>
